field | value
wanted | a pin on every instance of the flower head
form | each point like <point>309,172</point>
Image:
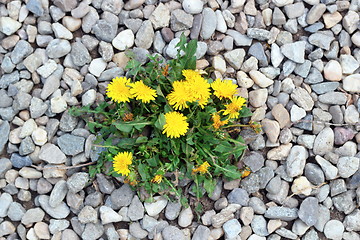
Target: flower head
<point>121,163</point>
<point>157,179</point>
<point>217,121</point>
<point>233,108</point>
<point>200,89</point>
<point>203,168</point>
<point>175,125</point>
<point>118,90</point>
<point>180,95</point>
<point>190,74</point>
<point>224,88</point>
<point>142,92</point>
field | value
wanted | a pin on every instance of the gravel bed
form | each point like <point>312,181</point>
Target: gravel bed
<point>297,62</point>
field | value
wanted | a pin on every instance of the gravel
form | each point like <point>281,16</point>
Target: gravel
<point>299,71</point>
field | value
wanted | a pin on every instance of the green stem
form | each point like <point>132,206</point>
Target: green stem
<point>213,160</point>
<point>196,180</point>
<point>236,125</point>
<point>104,146</point>
<point>171,186</point>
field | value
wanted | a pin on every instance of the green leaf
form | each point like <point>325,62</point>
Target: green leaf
<point>126,143</point>
<point>160,122</point>
<point>231,172</point>
<point>209,185</point>
<point>123,127</point>
<point>245,112</point>
<point>141,139</point>
<point>159,92</point>
<point>224,147</point>
<point>127,126</point>
<point>152,162</point>
<point>143,171</point>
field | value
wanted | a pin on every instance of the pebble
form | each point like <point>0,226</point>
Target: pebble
<point>294,51</point>
<point>125,39</point>
<point>281,115</point>
<point>333,71</point>
<point>329,170</point>
<point>258,97</point>
<point>240,39</point>
<point>136,209</point>
<point>238,196</point>
<point>97,66</point>
<point>272,129</point>
<point>347,166</point>
<point>58,48</point>
<point>160,17</point>
<point>352,222</point>
<point>324,142</point>
<point>145,35</point>
<point>92,231</point>
<point>172,233</point>
<point>315,13</point>
<point>42,230</point>
<point>192,6</point>
<point>122,197</point>
<point>33,215</point>
<point>59,212</point>
<point>302,98</point>
<point>334,229</point>
<point>301,186</point>
<point>209,23</point>
<point>235,58</point>
<point>260,79</point>
<point>349,64</point>
<point>154,208</point>
<point>259,226</point>
<point>8,25</point>
<point>70,144</point>
<point>180,20</point>
<point>321,40</point>
<point>88,215</point>
<point>105,30</point>
<point>351,83</point>
<point>232,228</point>
<point>331,19</point>
<point>282,213</point>
<point>58,193</point>
<point>172,210</point>
<point>295,162</point>
<point>52,154</point>
<point>309,211</point>
<point>6,228</point>
<point>79,54</point>
<point>30,173</point>
<point>185,217</point>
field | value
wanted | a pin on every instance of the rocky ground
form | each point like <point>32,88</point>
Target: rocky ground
<point>296,61</point>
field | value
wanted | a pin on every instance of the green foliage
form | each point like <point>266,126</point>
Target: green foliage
<point>161,163</point>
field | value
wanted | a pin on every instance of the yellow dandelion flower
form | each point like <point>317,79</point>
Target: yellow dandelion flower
<point>180,95</point>
<point>246,172</point>
<point>175,125</point>
<point>203,168</point>
<point>234,107</point>
<point>200,90</point>
<point>217,121</point>
<point>118,90</point>
<point>142,92</point>
<point>190,74</point>
<point>224,88</point>
<point>157,179</point>
<point>121,163</point>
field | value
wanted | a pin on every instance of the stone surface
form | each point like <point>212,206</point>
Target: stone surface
<point>296,160</point>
